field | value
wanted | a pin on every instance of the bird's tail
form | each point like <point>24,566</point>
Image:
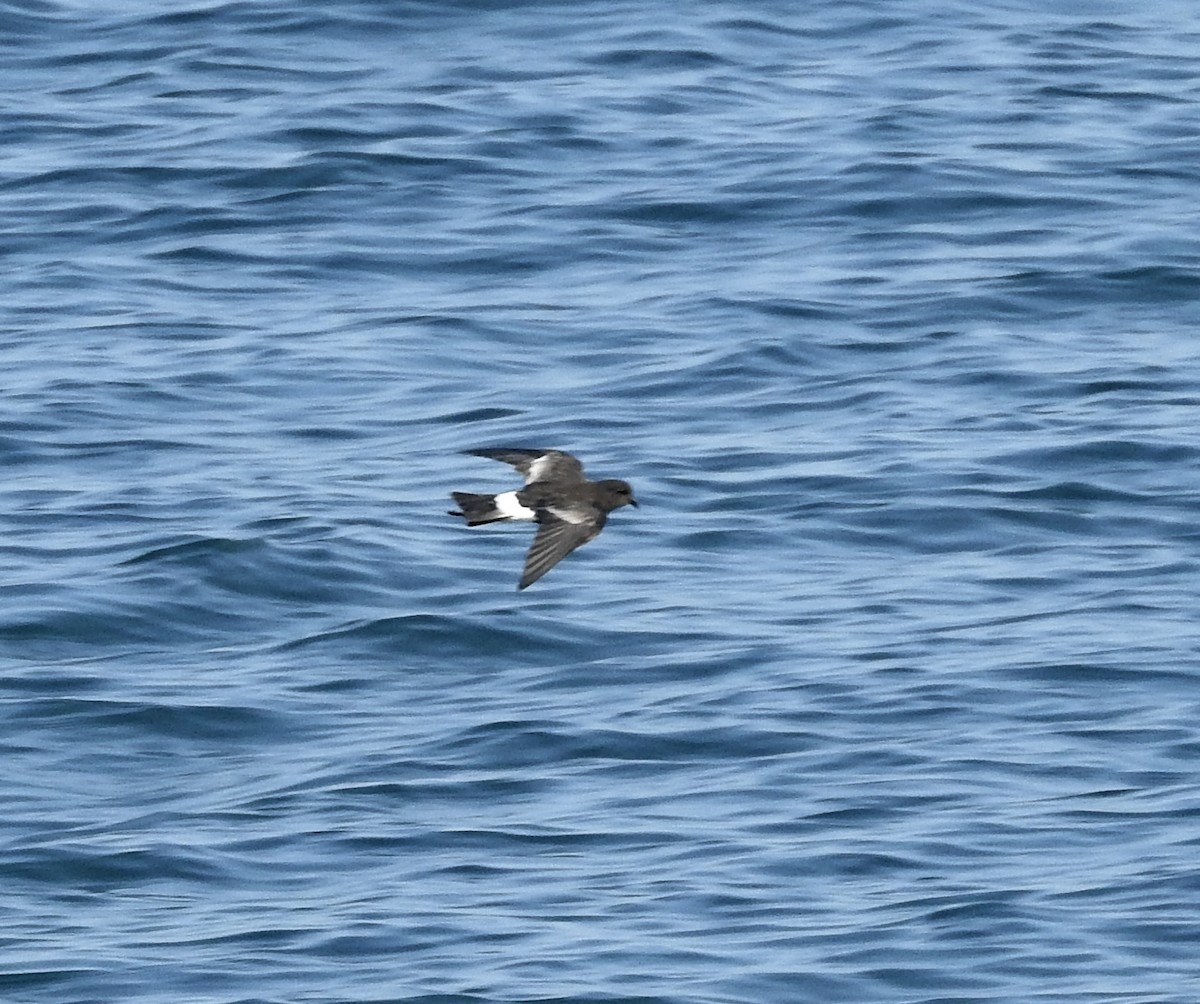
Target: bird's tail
<point>476,509</point>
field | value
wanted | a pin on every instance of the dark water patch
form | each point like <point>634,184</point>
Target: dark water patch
<point>657,59</point>
<point>265,569</point>
<point>1101,454</point>
<point>461,418</point>
<point>426,641</point>
<point>674,213</point>
<point>956,205</point>
<point>191,552</point>
<point>57,631</point>
<point>91,870</point>
<point>1079,290</point>
<point>326,434</point>
<point>443,792</point>
<point>1157,282</point>
<point>1091,675</point>
<point>1134,388</point>
<point>228,723</point>
<point>205,254</point>
<point>1078,491</point>
<point>782,308</point>
<point>20,978</point>
<point>524,744</point>
<point>61,679</point>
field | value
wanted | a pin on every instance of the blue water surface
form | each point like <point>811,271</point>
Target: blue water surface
<point>888,693</point>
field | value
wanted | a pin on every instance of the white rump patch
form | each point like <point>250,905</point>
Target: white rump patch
<point>507,505</point>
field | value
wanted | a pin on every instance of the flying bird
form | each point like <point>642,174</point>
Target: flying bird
<point>568,508</point>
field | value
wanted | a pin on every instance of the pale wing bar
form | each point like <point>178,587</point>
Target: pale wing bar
<point>538,465</point>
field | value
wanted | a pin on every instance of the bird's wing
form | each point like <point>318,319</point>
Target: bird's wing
<point>556,538</point>
<point>538,465</point>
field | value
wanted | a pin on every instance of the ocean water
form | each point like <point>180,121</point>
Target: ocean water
<point>888,692</point>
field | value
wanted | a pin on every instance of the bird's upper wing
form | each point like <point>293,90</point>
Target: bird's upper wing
<point>538,465</point>
<point>556,538</point>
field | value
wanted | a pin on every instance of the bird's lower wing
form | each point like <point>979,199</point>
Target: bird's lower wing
<point>555,539</point>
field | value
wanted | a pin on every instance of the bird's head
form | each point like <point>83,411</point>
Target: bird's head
<point>617,494</point>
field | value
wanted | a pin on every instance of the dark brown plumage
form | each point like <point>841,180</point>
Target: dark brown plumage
<point>569,509</point>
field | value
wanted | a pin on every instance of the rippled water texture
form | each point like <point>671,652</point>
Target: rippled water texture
<point>888,691</point>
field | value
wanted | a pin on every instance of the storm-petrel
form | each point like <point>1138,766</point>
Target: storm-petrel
<point>568,508</point>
